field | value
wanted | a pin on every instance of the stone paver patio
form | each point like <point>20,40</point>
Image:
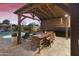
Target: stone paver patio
<point>61,47</point>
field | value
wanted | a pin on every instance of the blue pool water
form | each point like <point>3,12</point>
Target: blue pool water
<point>5,38</point>
<point>7,35</point>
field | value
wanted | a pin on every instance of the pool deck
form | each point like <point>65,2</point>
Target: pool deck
<point>4,43</point>
<point>61,47</point>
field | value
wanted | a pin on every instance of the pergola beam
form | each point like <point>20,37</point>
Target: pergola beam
<point>46,13</point>
<point>28,17</point>
<point>40,13</point>
<point>32,14</point>
<point>63,6</point>
<point>51,10</point>
<point>54,17</point>
<point>28,9</point>
<point>35,13</point>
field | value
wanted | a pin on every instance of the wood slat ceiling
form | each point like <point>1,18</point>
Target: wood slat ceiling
<point>43,11</point>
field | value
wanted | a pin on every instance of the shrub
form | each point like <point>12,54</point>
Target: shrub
<point>14,34</point>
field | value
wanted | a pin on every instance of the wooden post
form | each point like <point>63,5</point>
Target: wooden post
<point>42,24</point>
<point>33,15</point>
<point>67,28</point>
<point>19,30</point>
<point>74,10</point>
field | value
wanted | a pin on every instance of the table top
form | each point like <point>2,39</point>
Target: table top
<point>42,35</point>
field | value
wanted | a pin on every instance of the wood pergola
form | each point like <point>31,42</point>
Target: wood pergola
<point>43,12</point>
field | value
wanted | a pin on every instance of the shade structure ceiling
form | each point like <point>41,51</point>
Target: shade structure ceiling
<point>44,11</point>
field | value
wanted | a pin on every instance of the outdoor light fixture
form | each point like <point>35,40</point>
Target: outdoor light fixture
<point>61,20</point>
<point>66,15</point>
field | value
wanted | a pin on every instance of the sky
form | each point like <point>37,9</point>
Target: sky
<point>6,12</point>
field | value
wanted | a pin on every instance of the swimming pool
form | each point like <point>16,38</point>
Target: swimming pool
<point>8,35</point>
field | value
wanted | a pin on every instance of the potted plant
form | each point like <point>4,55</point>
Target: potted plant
<point>14,38</point>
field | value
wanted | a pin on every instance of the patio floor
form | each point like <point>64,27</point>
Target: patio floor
<point>61,47</point>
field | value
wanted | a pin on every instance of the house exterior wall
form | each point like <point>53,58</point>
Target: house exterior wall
<point>54,23</point>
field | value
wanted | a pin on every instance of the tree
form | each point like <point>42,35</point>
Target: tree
<point>14,27</point>
<point>33,27</point>
<point>6,24</point>
<point>6,21</point>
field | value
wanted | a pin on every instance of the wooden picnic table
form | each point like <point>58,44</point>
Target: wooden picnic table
<point>40,39</point>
